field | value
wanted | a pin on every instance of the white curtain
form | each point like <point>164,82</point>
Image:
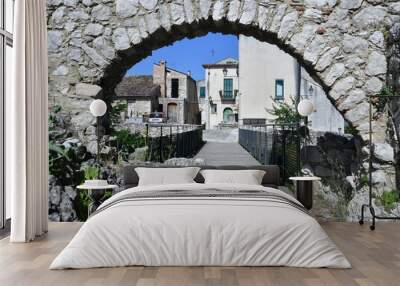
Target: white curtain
<point>26,120</point>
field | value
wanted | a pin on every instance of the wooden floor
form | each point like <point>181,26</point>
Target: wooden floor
<point>375,257</point>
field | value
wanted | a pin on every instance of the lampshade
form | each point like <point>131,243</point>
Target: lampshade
<point>98,108</point>
<point>305,107</point>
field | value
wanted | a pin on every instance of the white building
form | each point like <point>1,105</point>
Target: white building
<point>222,93</point>
<point>268,75</point>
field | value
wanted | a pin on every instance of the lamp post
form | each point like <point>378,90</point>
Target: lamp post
<point>305,108</point>
<point>98,108</point>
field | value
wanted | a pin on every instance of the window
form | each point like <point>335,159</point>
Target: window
<point>279,89</point>
<point>202,92</point>
<point>175,87</point>
<point>228,87</point>
<point>6,44</point>
<point>213,108</point>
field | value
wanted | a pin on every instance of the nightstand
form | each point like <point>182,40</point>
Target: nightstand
<point>304,190</point>
<point>96,194</point>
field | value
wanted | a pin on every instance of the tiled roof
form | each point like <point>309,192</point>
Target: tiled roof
<point>136,86</point>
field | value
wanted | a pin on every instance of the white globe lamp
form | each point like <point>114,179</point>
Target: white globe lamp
<point>98,108</point>
<point>305,107</point>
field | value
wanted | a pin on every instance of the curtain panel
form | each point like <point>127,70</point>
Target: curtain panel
<point>26,119</point>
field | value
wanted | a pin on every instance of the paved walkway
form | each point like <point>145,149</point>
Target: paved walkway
<point>221,135</point>
<point>220,154</point>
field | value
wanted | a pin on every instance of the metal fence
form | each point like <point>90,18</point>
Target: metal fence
<point>273,145</point>
<point>165,141</point>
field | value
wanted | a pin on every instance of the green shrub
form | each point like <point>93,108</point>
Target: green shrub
<point>81,205</point>
<point>128,142</point>
<point>65,164</point>
<point>389,199</point>
<point>285,113</point>
<point>383,98</point>
<point>364,181</point>
<point>115,113</point>
<point>348,129</point>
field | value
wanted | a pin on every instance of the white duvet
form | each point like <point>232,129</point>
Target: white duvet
<point>200,232</point>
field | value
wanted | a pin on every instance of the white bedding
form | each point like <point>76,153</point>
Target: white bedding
<point>200,232</point>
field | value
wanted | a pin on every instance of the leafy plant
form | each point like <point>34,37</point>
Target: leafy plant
<point>285,113</point>
<point>364,181</point>
<point>389,199</point>
<point>65,163</point>
<point>81,205</point>
<point>53,121</point>
<point>383,98</point>
<point>115,114</point>
<point>348,129</point>
<point>91,173</point>
<point>127,142</point>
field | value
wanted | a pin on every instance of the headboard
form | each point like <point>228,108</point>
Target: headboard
<point>271,178</point>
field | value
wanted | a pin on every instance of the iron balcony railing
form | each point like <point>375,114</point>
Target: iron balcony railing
<point>228,95</point>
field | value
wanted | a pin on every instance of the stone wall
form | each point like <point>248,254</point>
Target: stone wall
<point>342,44</point>
<point>341,162</point>
<point>393,79</point>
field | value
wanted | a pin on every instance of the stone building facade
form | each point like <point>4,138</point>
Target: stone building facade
<point>178,100</point>
<point>343,44</point>
<point>140,94</point>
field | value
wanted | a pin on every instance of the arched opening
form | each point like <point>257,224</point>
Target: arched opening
<point>229,117</point>
<point>125,59</point>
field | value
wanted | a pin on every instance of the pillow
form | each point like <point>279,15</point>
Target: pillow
<point>248,177</point>
<point>166,176</point>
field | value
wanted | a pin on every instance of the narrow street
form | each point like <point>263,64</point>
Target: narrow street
<point>222,148</point>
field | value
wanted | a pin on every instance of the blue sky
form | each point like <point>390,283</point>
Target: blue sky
<point>190,55</point>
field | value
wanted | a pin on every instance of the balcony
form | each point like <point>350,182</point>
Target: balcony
<point>228,96</point>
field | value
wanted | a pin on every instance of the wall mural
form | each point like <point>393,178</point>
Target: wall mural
<point>349,47</point>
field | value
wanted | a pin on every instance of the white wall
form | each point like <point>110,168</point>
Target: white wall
<point>203,102</point>
<point>214,78</point>
<point>260,64</point>
<point>325,116</point>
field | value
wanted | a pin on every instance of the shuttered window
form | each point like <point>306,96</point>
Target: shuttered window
<point>228,87</point>
<point>202,92</point>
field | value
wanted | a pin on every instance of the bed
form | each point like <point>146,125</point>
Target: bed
<point>201,224</point>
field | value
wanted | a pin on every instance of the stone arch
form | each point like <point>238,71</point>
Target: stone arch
<point>340,43</point>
